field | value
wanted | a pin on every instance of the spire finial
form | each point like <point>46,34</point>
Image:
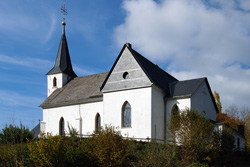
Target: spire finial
<point>64,12</point>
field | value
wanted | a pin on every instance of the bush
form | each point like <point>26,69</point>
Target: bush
<point>195,135</point>
<point>13,155</point>
<point>47,152</point>
<point>109,148</point>
<point>158,155</point>
<point>13,134</point>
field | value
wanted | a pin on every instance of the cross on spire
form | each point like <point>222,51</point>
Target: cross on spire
<point>64,12</point>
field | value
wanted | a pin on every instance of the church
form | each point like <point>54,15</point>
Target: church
<point>135,96</point>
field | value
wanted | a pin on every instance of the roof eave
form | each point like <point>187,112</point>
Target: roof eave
<point>89,100</point>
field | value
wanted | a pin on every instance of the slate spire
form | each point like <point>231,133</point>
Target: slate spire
<point>63,62</point>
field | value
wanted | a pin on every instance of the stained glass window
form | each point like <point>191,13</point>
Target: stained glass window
<point>126,115</point>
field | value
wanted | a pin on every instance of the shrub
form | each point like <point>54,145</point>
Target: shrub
<point>158,155</point>
<point>14,134</point>
<point>195,135</point>
<point>13,155</point>
<point>109,148</point>
<point>47,152</point>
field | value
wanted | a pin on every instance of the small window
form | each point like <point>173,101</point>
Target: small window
<point>126,115</point>
<point>54,82</point>
<point>61,127</point>
<point>97,123</point>
<point>175,110</point>
<point>125,75</point>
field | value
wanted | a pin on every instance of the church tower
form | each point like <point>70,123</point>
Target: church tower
<point>62,72</point>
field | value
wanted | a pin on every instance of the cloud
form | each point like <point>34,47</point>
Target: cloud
<point>195,38</point>
<point>20,22</point>
<point>35,63</point>
<point>82,72</point>
<point>11,98</point>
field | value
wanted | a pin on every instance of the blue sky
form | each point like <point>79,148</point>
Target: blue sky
<point>187,38</point>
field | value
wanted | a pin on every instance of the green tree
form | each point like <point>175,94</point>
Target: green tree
<point>13,134</point>
<point>217,100</point>
<point>194,134</point>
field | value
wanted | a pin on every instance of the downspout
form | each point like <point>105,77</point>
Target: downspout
<point>80,122</point>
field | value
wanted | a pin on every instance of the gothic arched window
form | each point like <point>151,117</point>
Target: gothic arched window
<point>126,115</point>
<point>54,82</point>
<point>61,127</point>
<point>97,123</point>
<point>175,110</point>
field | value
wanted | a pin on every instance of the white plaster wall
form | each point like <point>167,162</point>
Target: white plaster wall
<point>158,114</point>
<point>88,114</point>
<point>62,79</point>
<point>140,101</point>
<point>72,115</point>
<point>181,103</point>
<point>202,101</point>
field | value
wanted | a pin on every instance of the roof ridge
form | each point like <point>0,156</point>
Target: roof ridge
<point>91,75</point>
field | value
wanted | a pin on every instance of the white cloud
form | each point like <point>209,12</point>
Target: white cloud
<point>10,98</point>
<point>196,38</point>
<point>36,63</point>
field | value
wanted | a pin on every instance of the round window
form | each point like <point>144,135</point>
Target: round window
<point>125,75</point>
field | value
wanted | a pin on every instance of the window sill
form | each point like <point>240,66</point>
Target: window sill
<point>126,127</point>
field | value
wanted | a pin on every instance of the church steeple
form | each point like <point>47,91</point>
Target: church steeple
<point>63,62</point>
<point>62,72</point>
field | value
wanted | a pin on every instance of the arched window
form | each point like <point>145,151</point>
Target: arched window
<point>97,123</point>
<point>126,115</point>
<point>54,82</point>
<point>61,127</point>
<point>175,110</point>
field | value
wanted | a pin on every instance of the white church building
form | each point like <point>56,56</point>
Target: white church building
<point>136,96</point>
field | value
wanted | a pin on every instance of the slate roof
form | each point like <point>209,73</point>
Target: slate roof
<point>185,88</point>
<point>77,91</point>
<point>63,62</point>
<point>156,75</point>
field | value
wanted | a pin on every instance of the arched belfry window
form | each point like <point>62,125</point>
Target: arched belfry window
<point>54,82</point>
<point>97,123</point>
<point>126,115</point>
<point>61,127</point>
<point>175,110</point>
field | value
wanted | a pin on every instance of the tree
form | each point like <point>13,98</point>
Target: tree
<point>217,101</point>
<point>230,120</point>
<point>13,134</point>
<point>194,134</point>
<point>247,132</point>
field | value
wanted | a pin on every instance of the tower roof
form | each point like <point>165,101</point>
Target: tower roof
<point>63,62</point>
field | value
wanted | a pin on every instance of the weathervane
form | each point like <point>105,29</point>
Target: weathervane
<point>64,12</point>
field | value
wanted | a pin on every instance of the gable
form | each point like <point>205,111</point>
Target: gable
<point>126,74</point>
<point>141,72</point>
<point>203,101</point>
